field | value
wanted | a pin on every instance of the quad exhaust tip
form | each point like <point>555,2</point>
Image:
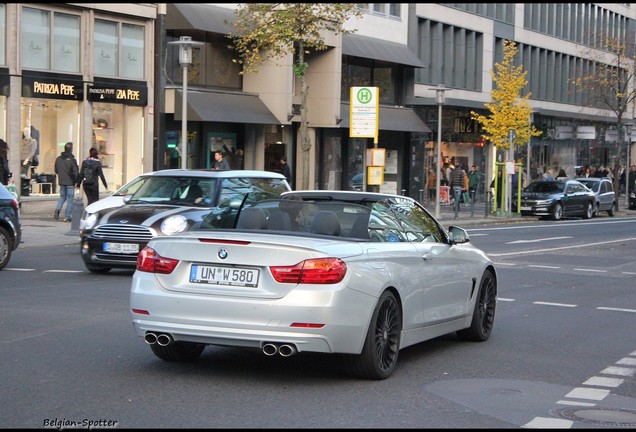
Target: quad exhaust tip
<point>285,350</point>
<point>161,339</point>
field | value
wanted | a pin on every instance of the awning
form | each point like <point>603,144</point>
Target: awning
<point>391,118</point>
<point>378,49</point>
<point>188,16</point>
<point>224,107</point>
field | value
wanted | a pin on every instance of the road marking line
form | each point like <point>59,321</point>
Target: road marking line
<point>548,423</point>
<point>543,266</point>
<point>505,299</point>
<point>629,273</point>
<point>553,249</point>
<point>588,393</point>
<point>555,304</point>
<point>614,370</point>
<point>616,309</point>
<point>19,269</point>
<point>63,271</point>
<point>591,270</point>
<point>604,382</point>
<point>627,361</point>
<point>575,403</point>
<point>537,240</point>
<point>505,264</point>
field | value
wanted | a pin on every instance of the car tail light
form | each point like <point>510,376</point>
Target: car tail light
<point>15,204</point>
<point>312,271</point>
<point>148,260</point>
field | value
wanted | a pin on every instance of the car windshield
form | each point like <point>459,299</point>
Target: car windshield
<point>545,187</point>
<point>594,185</point>
<point>176,191</point>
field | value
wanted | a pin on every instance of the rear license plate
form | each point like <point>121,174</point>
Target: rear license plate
<point>121,248</point>
<point>526,208</point>
<point>232,276</point>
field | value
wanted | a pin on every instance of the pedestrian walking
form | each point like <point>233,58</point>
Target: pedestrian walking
<point>219,162</point>
<point>457,184</point>
<point>285,169</point>
<point>4,163</point>
<point>67,175</point>
<point>473,183</point>
<point>89,175</point>
<point>431,185</point>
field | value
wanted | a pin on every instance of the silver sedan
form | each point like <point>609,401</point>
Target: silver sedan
<point>356,273</point>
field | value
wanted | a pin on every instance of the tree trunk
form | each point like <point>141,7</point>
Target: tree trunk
<point>305,144</point>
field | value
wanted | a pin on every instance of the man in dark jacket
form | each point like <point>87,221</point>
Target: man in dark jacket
<point>457,184</point>
<point>67,175</point>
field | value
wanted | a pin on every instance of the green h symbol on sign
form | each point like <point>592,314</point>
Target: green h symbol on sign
<point>364,95</point>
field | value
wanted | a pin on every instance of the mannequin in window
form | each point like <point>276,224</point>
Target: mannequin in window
<point>28,146</point>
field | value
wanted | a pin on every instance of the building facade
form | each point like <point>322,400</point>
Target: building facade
<point>107,75</point>
<point>80,74</point>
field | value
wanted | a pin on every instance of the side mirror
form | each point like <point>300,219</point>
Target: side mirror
<point>127,198</point>
<point>458,235</point>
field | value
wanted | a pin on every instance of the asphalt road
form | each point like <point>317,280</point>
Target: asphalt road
<point>562,354</point>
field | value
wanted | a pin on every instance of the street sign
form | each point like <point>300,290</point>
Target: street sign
<point>364,112</point>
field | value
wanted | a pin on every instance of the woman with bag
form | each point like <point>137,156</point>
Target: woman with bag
<point>89,175</point>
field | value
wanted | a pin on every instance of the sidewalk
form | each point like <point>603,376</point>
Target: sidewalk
<point>40,229</point>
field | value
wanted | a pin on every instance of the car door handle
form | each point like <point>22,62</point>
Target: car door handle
<point>427,256</point>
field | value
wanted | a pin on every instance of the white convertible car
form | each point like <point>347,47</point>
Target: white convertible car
<point>356,273</point>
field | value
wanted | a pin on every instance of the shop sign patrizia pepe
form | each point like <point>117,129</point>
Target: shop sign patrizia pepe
<point>52,88</point>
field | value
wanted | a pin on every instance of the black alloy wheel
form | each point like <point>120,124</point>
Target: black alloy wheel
<point>484,312</point>
<point>6,246</point>
<point>382,344</point>
<point>557,212</point>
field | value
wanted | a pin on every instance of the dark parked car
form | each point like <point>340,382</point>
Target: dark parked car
<point>604,191</point>
<point>556,199</point>
<point>10,225</point>
<point>170,202</point>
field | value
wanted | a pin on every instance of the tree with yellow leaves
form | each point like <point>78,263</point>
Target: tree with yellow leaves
<point>508,109</point>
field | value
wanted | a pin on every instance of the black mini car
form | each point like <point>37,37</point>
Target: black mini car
<point>170,202</point>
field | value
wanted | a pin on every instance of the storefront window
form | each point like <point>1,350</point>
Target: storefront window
<point>107,139</point>
<point>132,47</point>
<point>36,38</point>
<point>106,41</point>
<point>52,123</point>
<point>67,43</point>
<point>355,164</point>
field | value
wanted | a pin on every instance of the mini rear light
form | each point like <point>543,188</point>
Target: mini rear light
<point>312,271</point>
<point>148,260</point>
<point>15,204</point>
<point>223,241</point>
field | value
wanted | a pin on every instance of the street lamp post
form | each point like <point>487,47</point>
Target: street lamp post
<point>628,129</point>
<point>440,98</point>
<point>185,44</point>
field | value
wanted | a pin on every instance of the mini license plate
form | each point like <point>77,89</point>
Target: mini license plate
<point>526,208</point>
<point>121,248</point>
<point>231,276</point>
